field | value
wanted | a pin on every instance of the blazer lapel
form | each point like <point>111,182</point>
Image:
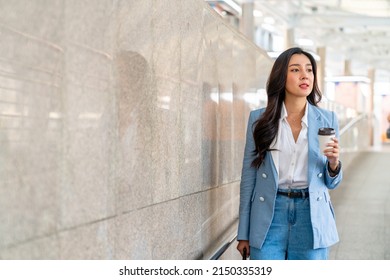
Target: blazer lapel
<point>314,123</point>
<point>275,151</point>
<point>270,162</point>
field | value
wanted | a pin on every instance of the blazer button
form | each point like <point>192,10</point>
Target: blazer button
<point>319,175</point>
<point>264,175</point>
<point>261,198</point>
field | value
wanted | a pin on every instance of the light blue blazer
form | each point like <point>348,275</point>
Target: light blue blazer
<point>258,187</point>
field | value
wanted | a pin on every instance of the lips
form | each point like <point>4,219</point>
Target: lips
<point>304,86</point>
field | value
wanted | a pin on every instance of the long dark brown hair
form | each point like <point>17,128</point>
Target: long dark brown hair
<point>266,127</point>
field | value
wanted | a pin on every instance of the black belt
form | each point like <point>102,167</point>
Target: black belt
<point>295,194</point>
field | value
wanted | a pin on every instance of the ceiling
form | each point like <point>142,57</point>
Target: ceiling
<point>354,30</point>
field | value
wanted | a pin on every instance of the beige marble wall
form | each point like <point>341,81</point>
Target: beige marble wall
<point>122,128</point>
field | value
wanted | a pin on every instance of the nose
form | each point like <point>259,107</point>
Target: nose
<point>304,76</point>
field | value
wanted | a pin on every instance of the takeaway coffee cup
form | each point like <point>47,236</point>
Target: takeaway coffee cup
<point>325,135</point>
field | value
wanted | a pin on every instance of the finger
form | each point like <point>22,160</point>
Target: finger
<point>332,148</point>
<point>333,144</point>
<point>332,152</point>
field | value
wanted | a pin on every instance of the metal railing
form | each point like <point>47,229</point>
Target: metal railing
<point>223,248</point>
<point>352,123</point>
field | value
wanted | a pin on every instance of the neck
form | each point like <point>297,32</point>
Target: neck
<point>296,106</point>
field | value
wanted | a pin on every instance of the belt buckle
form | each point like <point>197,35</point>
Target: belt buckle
<point>289,194</point>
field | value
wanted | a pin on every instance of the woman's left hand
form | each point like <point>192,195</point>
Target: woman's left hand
<point>333,153</point>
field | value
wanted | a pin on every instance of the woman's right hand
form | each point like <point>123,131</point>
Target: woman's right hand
<point>243,244</point>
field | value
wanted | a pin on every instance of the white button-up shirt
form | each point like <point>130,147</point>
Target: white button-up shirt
<point>291,158</point>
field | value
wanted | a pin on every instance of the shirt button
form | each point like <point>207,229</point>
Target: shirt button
<point>264,175</point>
<point>319,198</point>
<point>261,198</point>
<point>319,175</point>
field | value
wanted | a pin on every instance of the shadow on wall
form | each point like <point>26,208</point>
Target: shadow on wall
<point>135,100</point>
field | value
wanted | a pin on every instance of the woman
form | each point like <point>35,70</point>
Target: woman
<point>285,207</point>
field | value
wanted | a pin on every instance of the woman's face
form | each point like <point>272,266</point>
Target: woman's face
<point>300,76</point>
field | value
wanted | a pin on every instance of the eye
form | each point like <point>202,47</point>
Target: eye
<point>309,70</point>
<point>295,70</point>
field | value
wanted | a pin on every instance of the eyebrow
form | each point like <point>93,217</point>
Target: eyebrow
<point>309,64</point>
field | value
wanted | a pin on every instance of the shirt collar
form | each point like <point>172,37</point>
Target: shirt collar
<point>304,119</point>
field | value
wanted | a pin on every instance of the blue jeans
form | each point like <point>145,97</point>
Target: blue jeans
<point>290,236</point>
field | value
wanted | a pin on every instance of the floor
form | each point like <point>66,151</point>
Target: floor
<point>362,207</point>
